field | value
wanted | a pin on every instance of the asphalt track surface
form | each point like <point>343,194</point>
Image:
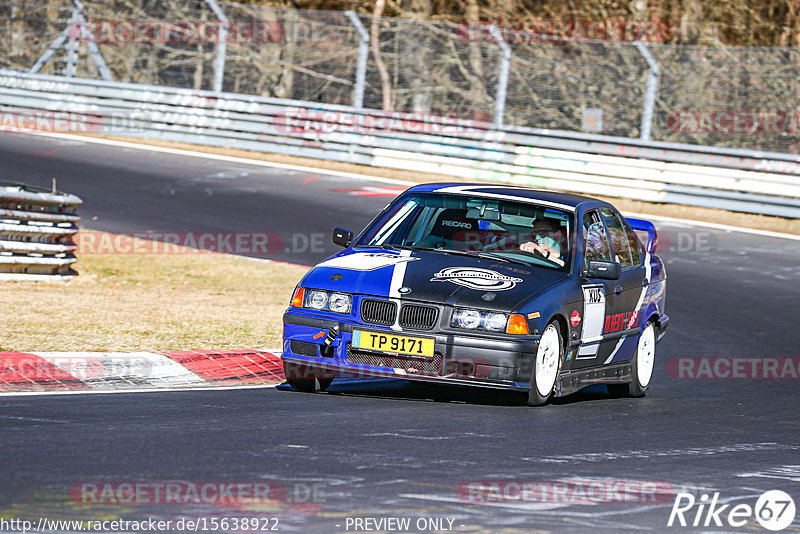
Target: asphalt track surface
<point>389,449</point>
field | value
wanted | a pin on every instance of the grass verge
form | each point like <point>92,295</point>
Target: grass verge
<point>151,302</point>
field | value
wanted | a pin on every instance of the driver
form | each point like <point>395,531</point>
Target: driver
<point>545,240</point>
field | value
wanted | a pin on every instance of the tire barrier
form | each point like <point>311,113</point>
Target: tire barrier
<point>36,231</point>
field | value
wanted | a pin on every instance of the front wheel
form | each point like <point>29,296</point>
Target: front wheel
<point>305,378</point>
<point>546,366</point>
<point>641,365</point>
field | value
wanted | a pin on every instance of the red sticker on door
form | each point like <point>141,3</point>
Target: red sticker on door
<point>575,318</point>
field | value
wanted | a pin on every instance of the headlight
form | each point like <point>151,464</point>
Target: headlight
<point>466,318</point>
<point>339,303</point>
<point>317,300</point>
<point>322,300</point>
<point>474,320</point>
<point>495,321</point>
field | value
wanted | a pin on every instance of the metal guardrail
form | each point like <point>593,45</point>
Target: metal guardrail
<point>36,230</point>
<point>732,179</point>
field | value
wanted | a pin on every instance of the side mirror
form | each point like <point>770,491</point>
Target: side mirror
<point>342,237</point>
<point>605,270</point>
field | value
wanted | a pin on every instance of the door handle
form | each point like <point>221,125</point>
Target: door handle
<point>645,281</point>
<point>617,290</point>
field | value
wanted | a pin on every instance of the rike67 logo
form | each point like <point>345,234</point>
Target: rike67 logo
<point>774,510</point>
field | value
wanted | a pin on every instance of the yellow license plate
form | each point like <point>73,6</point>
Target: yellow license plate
<point>413,346</point>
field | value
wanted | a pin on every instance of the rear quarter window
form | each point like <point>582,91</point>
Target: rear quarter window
<point>620,244</point>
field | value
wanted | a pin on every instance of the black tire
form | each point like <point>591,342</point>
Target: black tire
<point>541,394</point>
<point>635,388</point>
<point>306,378</point>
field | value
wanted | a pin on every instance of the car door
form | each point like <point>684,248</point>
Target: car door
<point>598,301</point>
<point>624,296</point>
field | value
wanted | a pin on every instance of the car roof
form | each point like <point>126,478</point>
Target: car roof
<point>524,193</point>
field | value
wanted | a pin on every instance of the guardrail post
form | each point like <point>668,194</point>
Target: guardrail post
<point>502,78</point>
<point>650,92</point>
<point>219,59</point>
<point>363,53</point>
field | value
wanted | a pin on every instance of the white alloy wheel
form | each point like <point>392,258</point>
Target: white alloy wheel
<point>645,355</point>
<point>547,360</point>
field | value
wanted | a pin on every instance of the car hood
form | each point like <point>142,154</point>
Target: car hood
<point>431,276</point>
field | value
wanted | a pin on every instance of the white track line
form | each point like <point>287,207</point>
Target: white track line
<point>364,177</point>
<point>726,227</point>
<point>220,157</point>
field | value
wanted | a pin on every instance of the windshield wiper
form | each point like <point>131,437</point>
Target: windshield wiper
<point>485,255</point>
<point>394,247</point>
<point>492,255</point>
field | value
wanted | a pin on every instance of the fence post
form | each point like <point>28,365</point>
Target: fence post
<point>502,78</point>
<point>55,45</point>
<point>650,92</point>
<point>74,32</point>
<point>72,47</point>
<point>222,45</point>
<point>363,53</point>
<point>99,62</point>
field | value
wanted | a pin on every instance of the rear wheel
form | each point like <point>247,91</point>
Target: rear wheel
<point>546,366</point>
<point>641,365</point>
<point>306,378</point>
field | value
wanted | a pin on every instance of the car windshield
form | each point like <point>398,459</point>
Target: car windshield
<point>506,230</point>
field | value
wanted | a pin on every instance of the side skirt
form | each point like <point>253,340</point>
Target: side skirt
<point>572,381</point>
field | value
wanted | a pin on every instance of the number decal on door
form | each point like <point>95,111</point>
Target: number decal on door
<point>594,313</point>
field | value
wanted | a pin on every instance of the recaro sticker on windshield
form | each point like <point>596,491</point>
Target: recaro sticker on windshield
<point>366,261</point>
<point>476,278</point>
<point>457,224</point>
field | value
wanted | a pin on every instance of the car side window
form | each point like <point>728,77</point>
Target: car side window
<point>619,238</point>
<point>634,243</point>
<point>595,240</point>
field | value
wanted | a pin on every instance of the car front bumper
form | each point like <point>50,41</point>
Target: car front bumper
<point>501,361</point>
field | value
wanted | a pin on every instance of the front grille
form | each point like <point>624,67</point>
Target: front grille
<point>303,348</point>
<point>378,311</point>
<point>413,366</point>
<point>420,317</point>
